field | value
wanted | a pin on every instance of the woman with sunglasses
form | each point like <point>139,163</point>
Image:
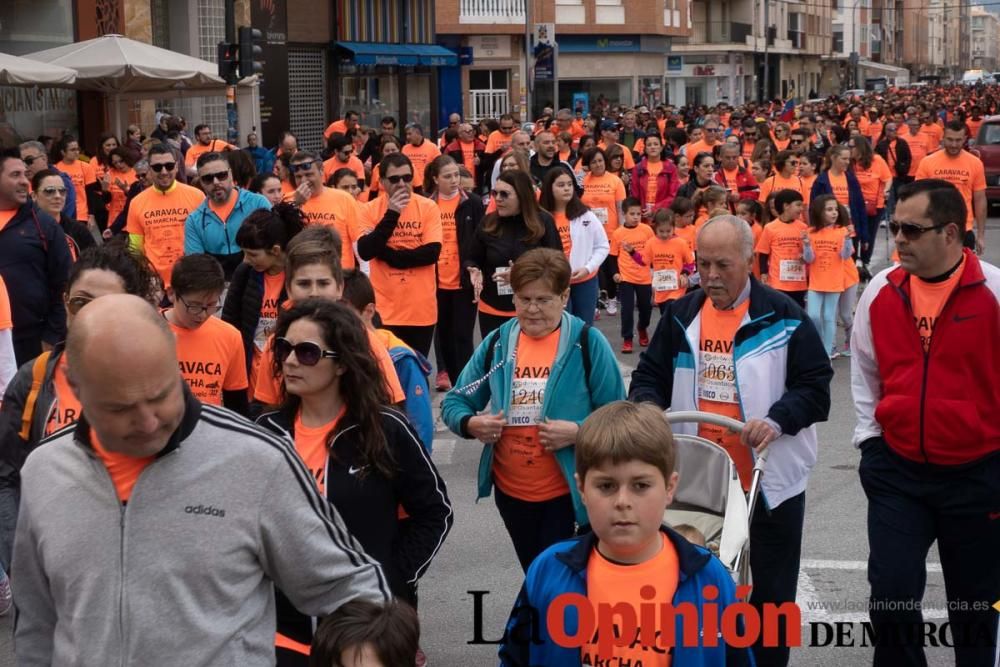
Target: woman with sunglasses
<point>785,177</point>
<point>584,240</point>
<point>518,225</point>
<point>39,401</point>
<point>66,157</point>
<point>363,455</point>
<point>49,192</point>
<point>540,374</point>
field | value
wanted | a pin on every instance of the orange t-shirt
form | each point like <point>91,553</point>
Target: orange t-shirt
<point>965,172</point>
<point>6,322</point>
<point>630,270</point>
<point>873,181</point>
<point>119,195</point>
<point>198,149</point>
<point>266,322</point>
<point>469,156</point>
<point>449,262</point>
<point>158,216</point>
<point>934,134</point>
<point>353,163</point>
<point>610,583</point>
<point>420,156</point>
<point>226,208</point>
<point>562,226</point>
<point>337,208</point>
<point>717,391</point>
<point>521,466</point>
<point>700,146</point>
<point>66,407</point>
<point>918,150</point>
<point>82,174</point>
<point>688,234</point>
<point>826,273</point>
<point>498,141</point>
<point>654,169</point>
<point>928,301</point>
<point>405,297</point>
<point>336,127</point>
<point>123,469</point>
<point>603,194</point>
<point>777,183</point>
<point>311,444</point>
<point>267,387</point>
<point>839,186</point>
<point>667,259</point>
<point>628,162</point>
<point>783,242</point>
<point>211,359</point>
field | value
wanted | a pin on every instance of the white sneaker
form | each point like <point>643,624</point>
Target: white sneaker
<point>612,306</point>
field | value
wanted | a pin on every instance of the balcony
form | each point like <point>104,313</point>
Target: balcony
<point>491,11</point>
<point>740,32</point>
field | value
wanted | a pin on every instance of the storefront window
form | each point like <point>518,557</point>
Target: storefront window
<point>27,26</point>
<point>371,91</point>
<point>613,91</point>
<point>651,92</point>
<point>418,100</point>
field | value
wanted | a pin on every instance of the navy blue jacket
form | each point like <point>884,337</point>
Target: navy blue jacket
<point>857,209</point>
<point>34,263</point>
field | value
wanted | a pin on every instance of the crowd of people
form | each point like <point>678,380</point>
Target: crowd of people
<point>161,296</point>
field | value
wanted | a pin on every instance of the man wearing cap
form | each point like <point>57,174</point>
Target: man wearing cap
<point>609,137</point>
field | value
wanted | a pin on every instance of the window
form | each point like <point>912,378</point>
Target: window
<point>838,41</point>
<point>489,95</point>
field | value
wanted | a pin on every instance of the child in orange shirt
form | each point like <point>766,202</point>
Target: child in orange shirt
<point>826,246</point>
<point>670,258</point>
<point>683,210</point>
<point>780,248</point>
<point>634,278</point>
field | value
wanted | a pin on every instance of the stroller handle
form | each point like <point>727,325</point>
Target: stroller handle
<point>686,416</point>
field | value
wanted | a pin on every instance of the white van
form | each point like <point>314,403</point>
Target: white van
<point>973,76</point>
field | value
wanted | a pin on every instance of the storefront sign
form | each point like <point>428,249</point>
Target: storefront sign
<point>704,70</point>
<point>490,46</point>
<point>26,113</point>
<point>598,44</point>
<point>270,17</point>
<point>675,63</point>
<point>544,51</point>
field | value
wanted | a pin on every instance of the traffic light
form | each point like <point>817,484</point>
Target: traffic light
<point>228,58</point>
<point>251,51</point>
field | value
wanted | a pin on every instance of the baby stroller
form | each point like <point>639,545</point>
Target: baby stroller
<point>709,494</point>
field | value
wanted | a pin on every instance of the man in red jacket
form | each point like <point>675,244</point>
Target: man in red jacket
<point>925,375</point>
<point>735,177</point>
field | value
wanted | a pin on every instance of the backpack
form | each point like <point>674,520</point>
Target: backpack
<point>37,380</point>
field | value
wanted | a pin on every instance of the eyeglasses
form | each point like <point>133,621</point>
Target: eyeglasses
<point>540,302</point>
<point>76,303</point>
<point>221,176</point>
<point>198,310</point>
<point>751,135</point>
<point>140,174</point>
<point>31,158</point>
<point>53,191</point>
<point>507,128</point>
<point>501,195</point>
<point>395,179</point>
<point>169,166</point>
<point>306,353</point>
<point>795,141</point>
<point>793,163</point>
<point>912,232</point>
<point>301,166</point>
<point>711,129</point>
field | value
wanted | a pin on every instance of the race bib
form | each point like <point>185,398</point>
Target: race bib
<point>665,280</point>
<point>792,271</point>
<point>265,325</point>
<point>717,380</point>
<point>526,398</point>
<point>601,214</point>
<point>504,289</point>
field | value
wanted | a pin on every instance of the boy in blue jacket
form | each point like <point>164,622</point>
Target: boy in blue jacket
<point>412,367</point>
<point>625,473</point>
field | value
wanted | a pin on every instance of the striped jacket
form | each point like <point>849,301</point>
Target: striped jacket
<point>184,573</point>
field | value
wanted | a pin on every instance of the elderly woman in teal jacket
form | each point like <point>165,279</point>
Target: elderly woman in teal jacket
<point>542,373</point>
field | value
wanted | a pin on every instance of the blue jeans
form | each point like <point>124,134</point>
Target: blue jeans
<point>583,300</point>
<point>822,309</point>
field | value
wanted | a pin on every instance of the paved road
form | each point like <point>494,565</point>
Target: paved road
<point>478,555</point>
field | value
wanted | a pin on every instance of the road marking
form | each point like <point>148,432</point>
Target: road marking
<point>851,565</point>
<point>805,597</point>
<point>442,451</point>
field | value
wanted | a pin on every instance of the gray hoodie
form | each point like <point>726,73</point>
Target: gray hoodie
<point>184,573</point>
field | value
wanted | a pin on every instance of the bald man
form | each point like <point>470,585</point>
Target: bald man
<point>153,532</point>
<point>769,369</point>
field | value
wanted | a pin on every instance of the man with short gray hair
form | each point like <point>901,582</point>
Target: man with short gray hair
<point>760,360</point>
<point>35,160</point>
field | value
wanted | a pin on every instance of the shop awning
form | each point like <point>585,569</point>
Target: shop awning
<point>381,53</point>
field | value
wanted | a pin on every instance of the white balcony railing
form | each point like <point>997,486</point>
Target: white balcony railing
<point>491,11</point>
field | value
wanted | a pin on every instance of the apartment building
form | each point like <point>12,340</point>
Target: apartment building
<point>984,39</point>
<point>611,49</point>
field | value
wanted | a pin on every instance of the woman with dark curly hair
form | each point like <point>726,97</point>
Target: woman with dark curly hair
<point>364,455</point>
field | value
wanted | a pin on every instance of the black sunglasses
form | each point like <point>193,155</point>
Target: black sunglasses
<point>301,166</point>
<point>307,353</point>
<point>31,158</point>
<point>501,195</point>
<point>912,232</point>
<point>220,176</point>
<point>169,166</point>
<point>406,178</point>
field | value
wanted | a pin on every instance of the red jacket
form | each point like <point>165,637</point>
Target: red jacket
<point>940,407</point>
<point>745,186</point>
<point>667,183</point>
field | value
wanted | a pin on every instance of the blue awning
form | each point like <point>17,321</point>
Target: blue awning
<point>381,53</point>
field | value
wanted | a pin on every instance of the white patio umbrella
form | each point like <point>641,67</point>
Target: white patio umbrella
<point>120,66</point>
<point>15,71</point>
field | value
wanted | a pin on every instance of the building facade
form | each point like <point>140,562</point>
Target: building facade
<point>611,49</point>
<point>984,39</point>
